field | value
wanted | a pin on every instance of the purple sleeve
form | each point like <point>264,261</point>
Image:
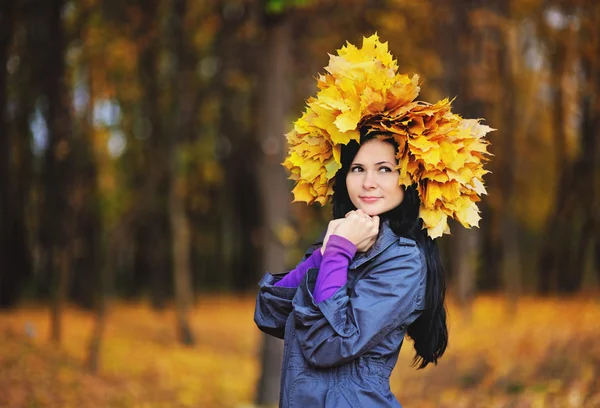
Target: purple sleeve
<point>294,277</point>
<point>333,272</point>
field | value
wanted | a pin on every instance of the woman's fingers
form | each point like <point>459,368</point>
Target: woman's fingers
<point>331,228</point>
<point>352,214</point>
<point>359,228</point>
<point>333,224</point>
<point>365,244</point>
<point>358,212</point>
<point>362,214</point>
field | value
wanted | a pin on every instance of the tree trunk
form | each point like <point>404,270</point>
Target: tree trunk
<point>95,343</point>
<point>273,181</point>
<point>185,105</point>
<point>13,247</point>
<point>594,74</point>
<point>116,240</point>
<point>511,260</point>
<point>476,62</point>
<point>583,218</point>
<point>101,262</point>
<point>153,240</point>
<point>570,232</point>
<point>60,266</point>
<point>27,89</point>
<point>557,226</point>
<point>238,149</point>
<point>465,263</point>
<point>57,217</point>
<point>87,260</point>
<point>465,245</point>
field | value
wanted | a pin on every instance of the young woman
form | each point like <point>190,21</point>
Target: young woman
<point>396,169</point>
<point>344,311</point>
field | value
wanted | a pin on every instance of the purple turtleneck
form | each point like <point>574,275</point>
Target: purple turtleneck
<point>332,264</point>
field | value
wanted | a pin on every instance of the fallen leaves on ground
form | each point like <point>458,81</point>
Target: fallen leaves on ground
<point>546,355</point>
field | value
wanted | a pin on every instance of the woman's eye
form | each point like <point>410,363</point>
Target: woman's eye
<point>356,169</point>
<point>385,169</point>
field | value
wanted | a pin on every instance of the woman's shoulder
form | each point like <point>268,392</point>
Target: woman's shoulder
<point>388,246</point>
<point>403,249</point>
<point>402,243</point>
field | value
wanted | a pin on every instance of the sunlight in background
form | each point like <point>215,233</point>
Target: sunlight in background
<point>39,130</point>
<point>107,114</point>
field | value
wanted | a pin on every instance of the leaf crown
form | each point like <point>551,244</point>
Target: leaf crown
<point>439,151</point>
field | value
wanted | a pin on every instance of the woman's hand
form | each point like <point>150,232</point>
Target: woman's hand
<point>331,228</point>
<point>360,229</point>
<point>365,245</point>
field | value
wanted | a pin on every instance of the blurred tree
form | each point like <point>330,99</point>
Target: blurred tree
<point>185,106</point>
<point>56,220</point>
<point>591,126</point>
<point>474,70</point>
<point>508,72</point>
<point>471,65</point>
<point>91,286</point>
<point>274,105</point>
<point>88,229</point>
<point>23,90</point>
<point>557,224</point>
<point>152,237</point>
<point>14,251</point>
<point>571,29</point>
<point>236,48</point>
<point>453,20</point>
<point>584,221</point>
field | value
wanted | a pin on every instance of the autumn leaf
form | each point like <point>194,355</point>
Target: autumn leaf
<point>302,192</point>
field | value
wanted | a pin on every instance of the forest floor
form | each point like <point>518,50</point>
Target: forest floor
<point>545,355</point>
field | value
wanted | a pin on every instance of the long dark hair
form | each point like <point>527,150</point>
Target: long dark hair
<point>429,332</point>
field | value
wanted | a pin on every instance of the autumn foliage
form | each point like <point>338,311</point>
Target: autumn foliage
<point>547,355</point>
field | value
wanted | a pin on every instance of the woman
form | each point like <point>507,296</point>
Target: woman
<point>349,318</point>
<point>376,275</point>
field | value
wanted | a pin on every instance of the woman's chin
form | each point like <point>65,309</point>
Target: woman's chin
<point>371,211</point>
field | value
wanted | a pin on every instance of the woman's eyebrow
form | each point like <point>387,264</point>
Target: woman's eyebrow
<point>376,164</point>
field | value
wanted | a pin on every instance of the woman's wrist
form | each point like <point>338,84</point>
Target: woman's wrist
<point>340,244</point>
<point>317,255</point>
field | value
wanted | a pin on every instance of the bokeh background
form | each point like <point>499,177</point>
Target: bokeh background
<point>142,196</point>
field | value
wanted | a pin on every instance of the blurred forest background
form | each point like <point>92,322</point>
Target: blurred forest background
<point>142,196</point>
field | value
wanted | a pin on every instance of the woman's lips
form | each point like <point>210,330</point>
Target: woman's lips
<point>369,199</point>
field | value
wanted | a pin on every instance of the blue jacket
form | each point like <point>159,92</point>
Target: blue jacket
<point>341,352</point>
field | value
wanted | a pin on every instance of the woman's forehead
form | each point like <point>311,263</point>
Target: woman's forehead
<point>375,151</point>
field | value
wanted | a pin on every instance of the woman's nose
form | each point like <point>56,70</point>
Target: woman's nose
<point>369,182</point>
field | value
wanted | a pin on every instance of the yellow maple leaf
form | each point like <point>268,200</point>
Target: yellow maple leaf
<point>433,192</point>
<point>347,121</point>
<point>302,193</point>
<point>436,222</point>
<point>468,215</point>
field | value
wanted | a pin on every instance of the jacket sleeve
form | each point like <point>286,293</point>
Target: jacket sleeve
<point>274,303</point>
<point>343,328</point>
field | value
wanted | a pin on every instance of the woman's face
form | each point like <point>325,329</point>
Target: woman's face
<point>372,182</point>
